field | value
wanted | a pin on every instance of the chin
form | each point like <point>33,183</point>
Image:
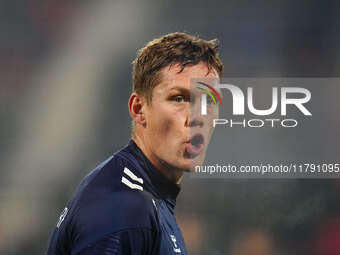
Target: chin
<point>189,165</point>
<point>184,165</point>
<point>199,161</point>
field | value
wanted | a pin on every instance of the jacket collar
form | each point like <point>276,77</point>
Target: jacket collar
<point>156,182</point>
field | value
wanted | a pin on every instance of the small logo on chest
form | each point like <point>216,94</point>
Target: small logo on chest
<point>176,248</point>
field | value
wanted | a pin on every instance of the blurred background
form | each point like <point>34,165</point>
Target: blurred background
<point>65,75</point>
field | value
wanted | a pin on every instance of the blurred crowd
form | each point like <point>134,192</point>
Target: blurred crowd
<point>30,29</point>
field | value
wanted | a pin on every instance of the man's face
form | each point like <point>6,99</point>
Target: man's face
<point>176,134</point>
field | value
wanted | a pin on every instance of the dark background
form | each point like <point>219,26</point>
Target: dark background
<point>65,73</point>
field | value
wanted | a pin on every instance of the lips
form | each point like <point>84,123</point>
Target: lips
<point>195,145</point>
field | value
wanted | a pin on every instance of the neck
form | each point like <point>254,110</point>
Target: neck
<point>173,174</point>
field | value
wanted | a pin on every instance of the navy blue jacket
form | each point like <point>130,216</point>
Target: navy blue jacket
<point>124,206</point>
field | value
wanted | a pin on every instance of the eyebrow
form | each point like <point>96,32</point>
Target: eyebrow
<point>181,89</point>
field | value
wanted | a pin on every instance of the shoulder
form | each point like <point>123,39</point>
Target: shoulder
<point>144,241</point>
<point>111,199</point>
<point>117,173</point>
<point>115,211</point>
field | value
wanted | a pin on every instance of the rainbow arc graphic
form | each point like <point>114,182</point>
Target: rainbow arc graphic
<point>210,92</point>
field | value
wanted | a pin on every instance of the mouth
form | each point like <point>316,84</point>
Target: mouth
<point>195,145</point>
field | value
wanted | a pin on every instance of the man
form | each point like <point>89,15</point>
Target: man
<point>126,205</point>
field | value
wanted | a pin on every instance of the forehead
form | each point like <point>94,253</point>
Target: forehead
<point>170,76</point>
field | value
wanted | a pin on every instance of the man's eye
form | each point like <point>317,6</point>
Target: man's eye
<point>179,99</point>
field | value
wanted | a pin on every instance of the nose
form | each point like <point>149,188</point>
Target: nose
<point>193,113</point>
<point>196,122</point>
<point>194,119</point>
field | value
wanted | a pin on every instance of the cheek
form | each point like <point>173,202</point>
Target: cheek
<point>161,124</point>
<point>169,130</point>
<point>165,123</point>
<point>164,127</point>
<point>209,121</point>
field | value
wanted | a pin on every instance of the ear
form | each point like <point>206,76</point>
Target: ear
<point>136,108</point>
